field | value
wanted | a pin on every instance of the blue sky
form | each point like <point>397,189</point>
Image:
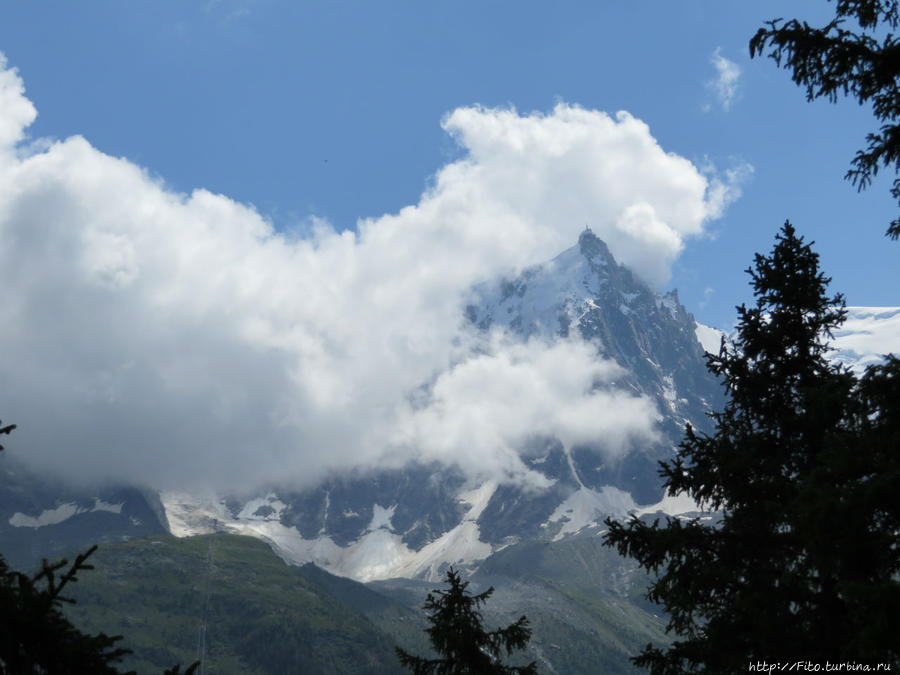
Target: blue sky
<point>258,219</point>
<point>333,108</point>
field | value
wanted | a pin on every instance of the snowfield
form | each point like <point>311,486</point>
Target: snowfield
<point>866,336</point>
<point>379,554</point>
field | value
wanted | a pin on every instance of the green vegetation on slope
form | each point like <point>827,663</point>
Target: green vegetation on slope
<point>583,602</point>
<point>261,615</point>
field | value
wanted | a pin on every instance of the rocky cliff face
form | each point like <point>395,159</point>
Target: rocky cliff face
<point>583,291</point>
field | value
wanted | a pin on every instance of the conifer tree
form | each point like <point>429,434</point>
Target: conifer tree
<point>804,470</point>
<point>855,54</point>
<point>457,633</point>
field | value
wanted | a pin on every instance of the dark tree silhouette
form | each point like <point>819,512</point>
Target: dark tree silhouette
<point>804,470</point>
<point>6,430</point>
<point>35,635</point>
<point>457,634</point>
<point>861,60</point>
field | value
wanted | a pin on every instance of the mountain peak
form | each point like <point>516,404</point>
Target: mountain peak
<point>592,246</point>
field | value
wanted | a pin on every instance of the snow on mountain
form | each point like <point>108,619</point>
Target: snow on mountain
<point>584,292</point>
<point>867,334</point>
<point>379,554</point>
<point>586,508</point>
<point>60,514</point>
<point>43,517</point>
<point>709,338</point>
<point>678,505</point>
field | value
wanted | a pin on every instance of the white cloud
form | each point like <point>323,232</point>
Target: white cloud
<point>17,111</point>
<point>725,189</point>
<point>483,410</point>
<point>152,335</point>
<point>541,178</point>
<point>725,84</point>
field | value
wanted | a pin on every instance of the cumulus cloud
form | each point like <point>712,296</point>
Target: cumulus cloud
<point>150,335</point>
<point>543,177</point>
<point>482,411</point>
<point>18,111</point>
<point>727,187</point>
<point>725,84</point>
